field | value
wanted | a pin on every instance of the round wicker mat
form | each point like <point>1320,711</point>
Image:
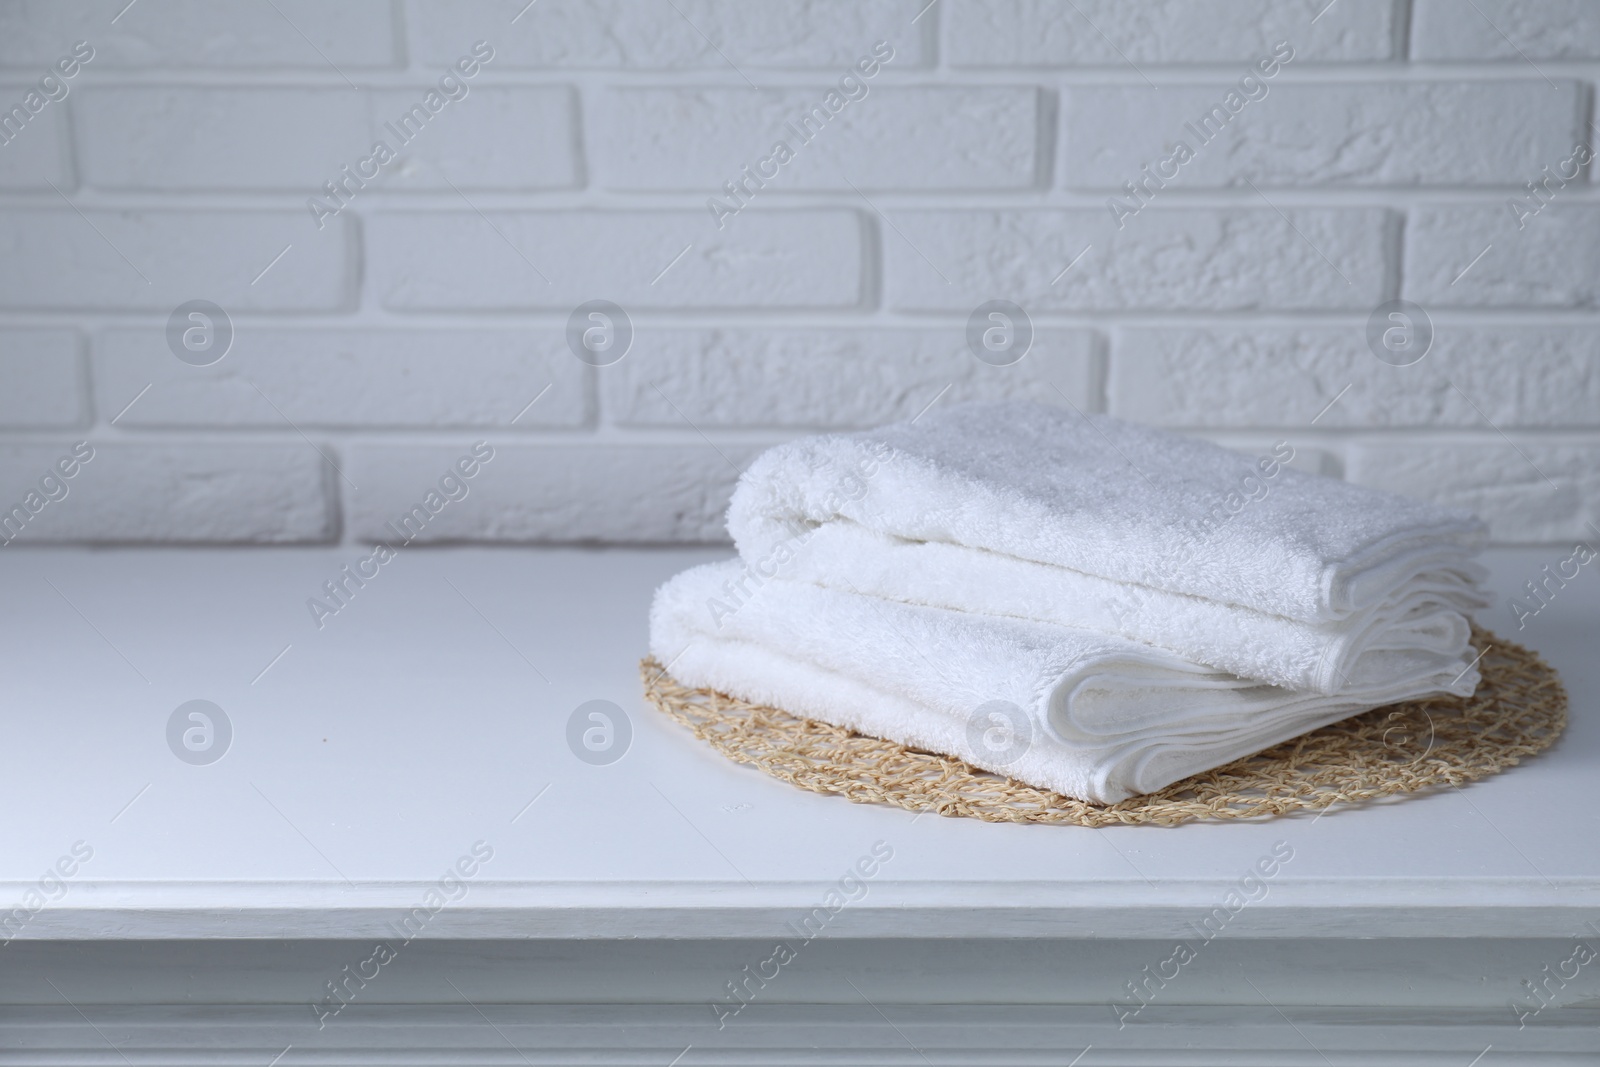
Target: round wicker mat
<point>1519,709</point>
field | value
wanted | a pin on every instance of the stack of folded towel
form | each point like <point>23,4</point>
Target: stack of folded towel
<point>1073,601</point>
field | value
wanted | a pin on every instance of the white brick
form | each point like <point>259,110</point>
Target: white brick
<point>201,33</point>
<point>1317,461</point>
<point>1393,133</point>
<point>1504,485</point>
<point>40,378</point>
<point>1114,33</point>
<point>458,260</point>
<point>183,491</point>
<point>201,137</point>
<point>625,34</point>
<point>33,151</point>
<point>193,137</point>
<point>1310,460</point>
<point>1513,30</point>
<point>549,492</point>
<point>55,258</point>
<point>966,138</point>
<point>1228,377</point>
<point>832,377</point>
<point>1553,261</point>
<point>492,138</point>
<point>348,377</point>
<point>1164,259</point>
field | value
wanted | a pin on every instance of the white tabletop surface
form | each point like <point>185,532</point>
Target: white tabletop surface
<point>369,755</point>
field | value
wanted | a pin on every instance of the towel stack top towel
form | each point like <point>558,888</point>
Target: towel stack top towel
<point>1108,498</point>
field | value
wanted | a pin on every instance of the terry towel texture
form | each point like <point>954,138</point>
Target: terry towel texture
<point>1102,718</point>
<point>1232,561</point>
<point>1145,605</point>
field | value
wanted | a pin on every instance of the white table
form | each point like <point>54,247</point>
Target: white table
<point>370,755</point>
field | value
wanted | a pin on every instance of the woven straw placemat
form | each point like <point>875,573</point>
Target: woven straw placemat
<point>1519,709</point>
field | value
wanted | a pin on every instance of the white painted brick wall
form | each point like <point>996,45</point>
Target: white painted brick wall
<point>174,35</point>
<point>551,492</point>
<point>427,307</point>
<point>1537,492</point>
<point>1185,259</point>
<point>1553,261</point>
<point>332,378</point>
<point>687,34</point>
<point>1371,133</point>
<point>555,260</point>
<point>42,378</point>
<point>1515,30</point>
<point>174,491</point>
<point>1222,377</point>
<point>39,158</point>
<point>1111,33</point>
<point>150,137</point>
<point>685,138</point>
<point>173,138</point>
<point>831,378</point>
<point>484,144</point>
<point>105,259</point>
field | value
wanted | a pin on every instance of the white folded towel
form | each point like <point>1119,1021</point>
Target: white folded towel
<point>1425,615</point>
<point>1022,510</point>
<point>1093,716</point>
